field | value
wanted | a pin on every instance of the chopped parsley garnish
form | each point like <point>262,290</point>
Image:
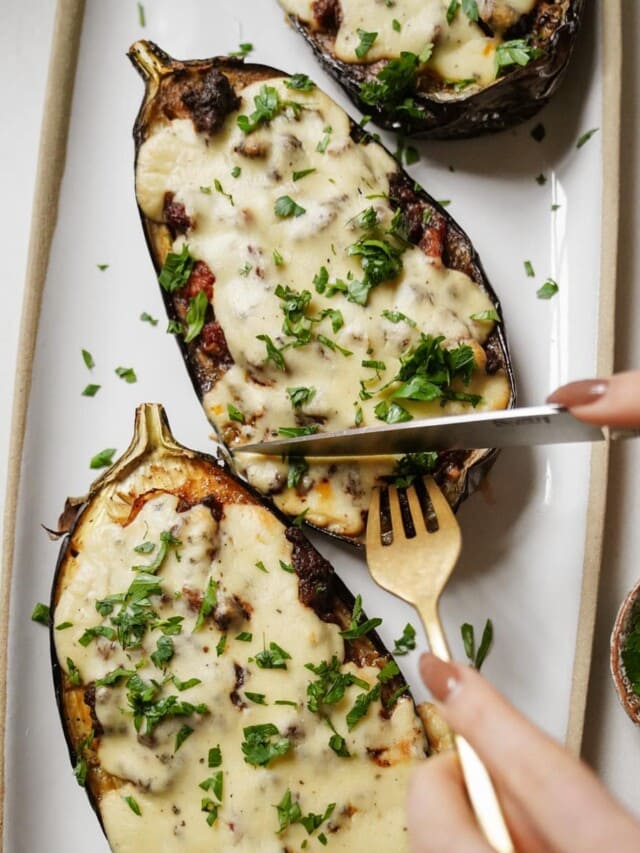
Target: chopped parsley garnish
<point>477,657</point>
<point>167,540</point>
<point>398,317</point>
<point>273,353</point>
<point>289,812</point>
<point>300,82</point>
<point>181,736</point>
<point>630,652</point>
<point>176,270</point>
<point>262,744</point>
<point>73,673</point>
<point>244,49</point>
<point>102,267</point>
<point>361,706</point>
<point>548,289</point>
<point>380,261</point>
<point>196,312</point>
<point>388,672</point>
<point>298,467</point>
<point>142,18</point>
<point>366,219</point>
<point>285,207</point>
<point>274,657</point>
<point>185,685</point>
<point>97,631</point>
<point>407,642</point>
<point>211,808</point>
<point>41,613</point>
<point>469,7</point>
<point>397,26</point>
<point>221,645</point>
<point>555,207</point>
<point>205,190</point>
<point>267,106</point>
<point>147,318</point>
<point>244,636</point>
<point>278,260</point>
<point>88,359</point>
<point>529,270</point>
<point>586,137</point>
<point>294,432</point>
<point>208,604</point>
<point>366,42</point>
<point>332,345</point>
<point>300,395</point>
<point>330,685</point>
<point>63,626</point>
<point>257,698</point>
<point>147,709</point>
<point>91,390</point>
<point>174,327</point>
<point>297,176</point>
<point>260,565</point>
<point>300,518</point>
<point>490,315</point>
<point>339,745</point>
<point>394,86</point>
<point>214,758</point>
<point>126,373</point>
<point>321,147</point>
<point>287,567</point>
<point>236,172</point>
<point>515,52</point>
<point>392,414</point>
<point>541,179</point>
<point>103,459</point>
<point>428,370</point>
<point>114,677</point>
<point>163,653</point>
<point>82,766</point>
<point>391,700</point>
<point>235,414</point>
<point>414,465</point>
<point>214,784</point>
<point>219,189</point>
<point>356,627</point>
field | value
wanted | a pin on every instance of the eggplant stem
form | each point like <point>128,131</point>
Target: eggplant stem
<point>150,61</point>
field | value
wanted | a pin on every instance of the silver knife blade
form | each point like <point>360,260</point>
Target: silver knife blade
<point>510,428</point>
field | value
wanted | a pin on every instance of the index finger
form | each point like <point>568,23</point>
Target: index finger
<point>607,402</point>
<point>565,801</point>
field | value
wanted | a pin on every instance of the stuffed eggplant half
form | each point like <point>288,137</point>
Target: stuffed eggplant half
<point>310,283</point>
<point>192,718</point>
<point>442,68</point>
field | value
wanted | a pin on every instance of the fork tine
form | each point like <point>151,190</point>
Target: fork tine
<point>440,504</point>
<point>396,515</point>
<point>417,516</point>
<point>373,521</point>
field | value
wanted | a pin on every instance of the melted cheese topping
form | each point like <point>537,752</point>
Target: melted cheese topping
<point>236,231</point>
<point>461,48</point>
<point>368,788</point>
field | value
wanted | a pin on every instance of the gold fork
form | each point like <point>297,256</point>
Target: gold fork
<point>416,568</point>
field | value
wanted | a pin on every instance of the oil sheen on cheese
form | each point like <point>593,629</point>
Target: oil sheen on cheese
<point>251,251</point>
<point>462,51</point>
<point>368,789</point>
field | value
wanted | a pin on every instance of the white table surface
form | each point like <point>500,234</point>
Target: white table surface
<point>611,743</point>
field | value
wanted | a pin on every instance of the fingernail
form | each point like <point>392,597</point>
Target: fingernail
<point>440,677</point>
<point>580,393</point>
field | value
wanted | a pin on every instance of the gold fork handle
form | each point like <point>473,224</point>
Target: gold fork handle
<point>482,794</point>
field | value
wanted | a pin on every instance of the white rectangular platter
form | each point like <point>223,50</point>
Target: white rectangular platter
<point>524,533</point>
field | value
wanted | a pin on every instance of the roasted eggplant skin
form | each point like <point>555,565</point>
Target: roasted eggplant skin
<point>515,97</point>
<point>155,462</point>
<point>167,80</point>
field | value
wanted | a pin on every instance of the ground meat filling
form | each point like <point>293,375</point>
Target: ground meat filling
<point>315,575</point>
<point>210,100</point>
<point>175,216</point>
<point>327,14</point>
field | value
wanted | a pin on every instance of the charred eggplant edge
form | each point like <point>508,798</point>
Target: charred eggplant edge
<point>153,64</point>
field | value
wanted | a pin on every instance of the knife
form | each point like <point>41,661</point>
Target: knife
<point>510,428</point>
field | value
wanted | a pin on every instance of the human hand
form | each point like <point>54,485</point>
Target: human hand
<point>551,801</point>
<point>607,402</point>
